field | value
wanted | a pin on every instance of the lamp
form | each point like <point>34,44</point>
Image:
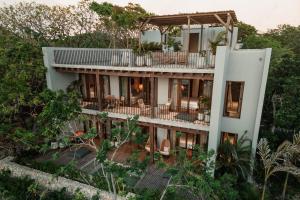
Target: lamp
<point>141,86</point>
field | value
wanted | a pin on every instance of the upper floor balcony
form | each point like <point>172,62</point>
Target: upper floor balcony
<point>120,58</point>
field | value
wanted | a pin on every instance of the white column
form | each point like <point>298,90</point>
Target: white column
<point>163,90</point>
<point>114,86</point>
<point>218,98</point>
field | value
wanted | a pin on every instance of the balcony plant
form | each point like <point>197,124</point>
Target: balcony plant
<point>203,105</point>
<point>148,58</point>
<point>204,112</point>
<point>218,40</point>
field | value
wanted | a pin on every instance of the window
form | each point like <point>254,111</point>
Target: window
<point>231,137</point>
<point>233,99</point>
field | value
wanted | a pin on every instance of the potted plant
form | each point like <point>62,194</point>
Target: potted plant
<point>201,106</point>
<point>207,116</point>
<point>61,145</point>
<point>54,145</point>
<point>148,59</point>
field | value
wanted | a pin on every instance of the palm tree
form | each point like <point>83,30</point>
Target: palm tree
<point>217,41</point>
<point>235,158</point>
<point>278,161</point>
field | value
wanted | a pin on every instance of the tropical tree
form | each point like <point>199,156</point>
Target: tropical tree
<point>235,158</point>
<point>245,30</point>
<point>278,161</point>
<point>120,22</point>
<point>193,176</point>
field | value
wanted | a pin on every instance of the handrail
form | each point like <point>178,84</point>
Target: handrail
<point>127,58</point>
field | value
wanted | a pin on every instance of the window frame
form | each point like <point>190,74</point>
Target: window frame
<point>235,135</point>
<point>225,112</point>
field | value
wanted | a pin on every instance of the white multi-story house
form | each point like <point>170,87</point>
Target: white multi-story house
<point>209,95</point>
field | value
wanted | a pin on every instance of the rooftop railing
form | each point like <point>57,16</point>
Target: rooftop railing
<point>127,58</point>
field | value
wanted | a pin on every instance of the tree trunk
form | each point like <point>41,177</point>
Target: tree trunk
<point>264,190</point>
<point>273,112</point>
<point>285,185</point>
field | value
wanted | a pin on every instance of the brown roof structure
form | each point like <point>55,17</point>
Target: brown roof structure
<point>217,17</point>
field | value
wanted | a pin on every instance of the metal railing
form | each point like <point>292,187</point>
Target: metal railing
<point>127,58</point>
<point>102,57</point>
<point>161,111</point>
<point>89,104</point>
<point>176,113</point>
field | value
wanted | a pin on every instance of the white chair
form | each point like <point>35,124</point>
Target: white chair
<point>165,147</point>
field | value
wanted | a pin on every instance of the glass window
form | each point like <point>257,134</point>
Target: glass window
<point>233,99</point>
<point>230,137</point>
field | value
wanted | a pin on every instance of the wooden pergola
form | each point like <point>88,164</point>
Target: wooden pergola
<point>164,22</point>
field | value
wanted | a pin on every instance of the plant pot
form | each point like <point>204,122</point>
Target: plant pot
<point>61,145</point>
<point>140,61</point>
<point>207,118</point>
<point>116,144</point>
<point>200,116</point>
<point>115,60</point>
<point>112,143</point>
<point>148,61</point>
<point>54,145</point>
<point>125,59</point>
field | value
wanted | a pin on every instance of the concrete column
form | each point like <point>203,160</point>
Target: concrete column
<point>218,98</point>
<point>114,86</point>
<point>98,87</point>
<point>151,133</point>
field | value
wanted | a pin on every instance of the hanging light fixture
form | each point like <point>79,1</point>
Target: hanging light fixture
<point>141,86</point>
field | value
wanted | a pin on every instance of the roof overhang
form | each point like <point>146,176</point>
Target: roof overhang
<point>218,17</point>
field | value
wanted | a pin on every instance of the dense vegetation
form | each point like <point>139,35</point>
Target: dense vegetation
<point>12,188</point>
<point>30,115</point>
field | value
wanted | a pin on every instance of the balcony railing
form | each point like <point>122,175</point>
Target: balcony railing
<point>161,111</point>
<point>127,58</point>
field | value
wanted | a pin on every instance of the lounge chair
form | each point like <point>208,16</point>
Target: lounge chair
<point>165,147</point>
<point>147,146</point>
<point>144,109</point>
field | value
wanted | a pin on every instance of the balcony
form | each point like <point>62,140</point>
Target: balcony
<point>126,58</point>
<point>161,111</point>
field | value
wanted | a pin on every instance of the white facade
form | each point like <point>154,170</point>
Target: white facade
<point>247,66</point>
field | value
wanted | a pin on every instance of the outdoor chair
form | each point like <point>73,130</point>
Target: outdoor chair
<point>144,109</point>
<point>165,147</point>
<point>147,146</point>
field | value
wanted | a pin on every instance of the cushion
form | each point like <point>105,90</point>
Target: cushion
<point>166,149</point>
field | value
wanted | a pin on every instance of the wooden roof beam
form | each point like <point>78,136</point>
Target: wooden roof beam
<point>225,24</point>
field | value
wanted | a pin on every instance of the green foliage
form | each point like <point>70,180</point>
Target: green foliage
<point>119,22</point>
<point>221,37</point>
<point>12,188</point>
<point>235,158</point>
<point>60,108</point>
<point>282,96</point>
<point>245,30</point>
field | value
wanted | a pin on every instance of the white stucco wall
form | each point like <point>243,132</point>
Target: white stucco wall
<point>151,36</point>
<point>251,67</point>
<point>163,90</point>
<point>247,66</point>
<point>114,86</point>
<point>56,80</point>
<point>209,33</point>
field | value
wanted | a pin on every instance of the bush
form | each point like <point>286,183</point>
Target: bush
<point>14,188</point>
